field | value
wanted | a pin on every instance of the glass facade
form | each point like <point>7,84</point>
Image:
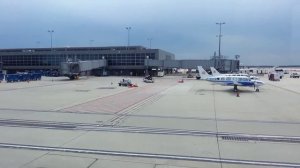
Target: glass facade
<point>31,60</point>
<point>120,60</point>
<point>19,59</point>
<point>128,59</point>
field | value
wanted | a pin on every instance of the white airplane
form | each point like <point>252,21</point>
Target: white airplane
<point>217,73</point>
<point>227,80</point>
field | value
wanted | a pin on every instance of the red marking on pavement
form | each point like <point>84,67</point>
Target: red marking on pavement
<point>119,102</point>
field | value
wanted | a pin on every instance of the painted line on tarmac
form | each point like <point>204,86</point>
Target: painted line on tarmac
<point>280,87</point>
<point>147,130</point>
<point>154,116</point>
<point>60,109</point>
<point>149,155</point>
<point>31,87</point>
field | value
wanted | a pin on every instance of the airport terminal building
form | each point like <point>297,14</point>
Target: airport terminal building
<point>119,60</point>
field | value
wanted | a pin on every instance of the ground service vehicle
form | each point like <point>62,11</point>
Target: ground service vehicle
<point>148,79</point>
<point>160,73</point>
<point>294,75</point>
<point>125,82</point>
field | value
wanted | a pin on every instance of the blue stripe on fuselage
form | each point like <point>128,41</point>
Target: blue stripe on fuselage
<point>232,83</point>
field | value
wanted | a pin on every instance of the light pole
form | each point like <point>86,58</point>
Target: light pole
<point>220,35</point>
<point>51,33</point>
<point>150,42</point>
<point>67,56</point>
<point>38,44</point>
<point>147,59</point>
<point>91,45</point>
<point>128,36</point>
<point>104,73</point>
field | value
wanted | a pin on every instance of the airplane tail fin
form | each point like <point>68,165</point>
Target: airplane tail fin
<point>214,71</point>
<point>203,74</point>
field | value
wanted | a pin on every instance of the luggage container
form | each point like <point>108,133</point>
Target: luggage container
<point>12,78</point>
<point>1,77</point>
<point>24,77</point>
<point>35,76</point>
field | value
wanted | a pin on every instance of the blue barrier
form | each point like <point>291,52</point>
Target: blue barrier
<point>22,77</point>
<point>12,78</point>
<point>35,76</point>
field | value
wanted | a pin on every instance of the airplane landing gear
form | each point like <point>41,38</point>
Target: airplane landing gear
<point>235,88</point>
<point>256,88</point>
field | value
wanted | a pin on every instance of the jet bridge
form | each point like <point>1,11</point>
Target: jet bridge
<point>73,69</point>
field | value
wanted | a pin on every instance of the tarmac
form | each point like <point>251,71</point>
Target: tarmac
<point>94,123</point>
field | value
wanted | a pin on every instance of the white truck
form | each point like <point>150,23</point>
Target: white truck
<point>294,75</point>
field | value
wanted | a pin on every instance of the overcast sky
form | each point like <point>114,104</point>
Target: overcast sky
<point>260,31</point>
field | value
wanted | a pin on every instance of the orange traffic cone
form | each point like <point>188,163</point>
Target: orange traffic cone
<point>237,94</point>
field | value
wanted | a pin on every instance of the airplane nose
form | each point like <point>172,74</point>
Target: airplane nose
<point>260,82</point>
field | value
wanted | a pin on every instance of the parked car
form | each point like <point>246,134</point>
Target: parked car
<point>294,75</point>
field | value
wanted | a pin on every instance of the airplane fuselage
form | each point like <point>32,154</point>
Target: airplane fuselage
<point>227,80</point>
<point>230,79</point>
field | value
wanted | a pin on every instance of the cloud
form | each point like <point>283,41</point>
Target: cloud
<point>260,31</point>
